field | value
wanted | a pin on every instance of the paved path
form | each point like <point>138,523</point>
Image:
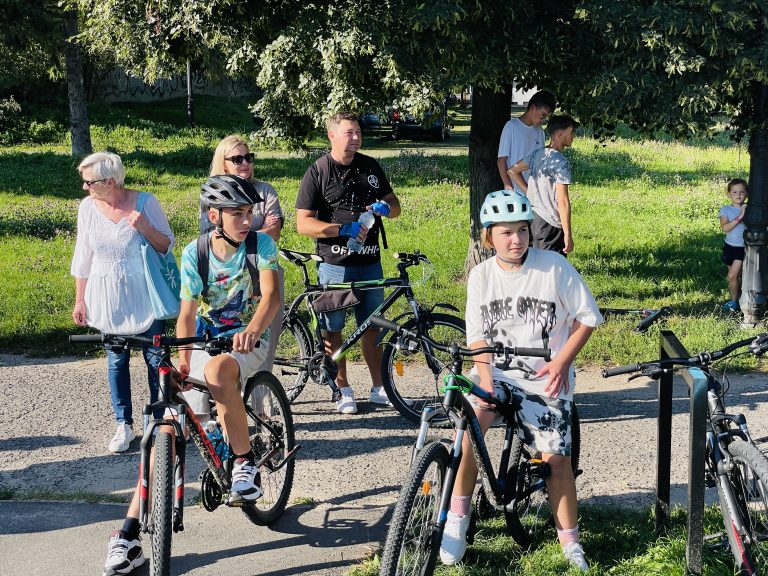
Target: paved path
<point>55,423</point>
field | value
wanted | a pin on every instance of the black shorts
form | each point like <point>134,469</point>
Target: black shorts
<point>546,236</point>
<point>731,253</point>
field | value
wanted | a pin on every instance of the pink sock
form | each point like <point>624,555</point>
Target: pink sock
<point>460,504</point>
<point>568,535</point>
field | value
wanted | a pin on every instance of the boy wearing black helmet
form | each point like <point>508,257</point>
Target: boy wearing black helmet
<point>534,298</point>
<point>225,302</point>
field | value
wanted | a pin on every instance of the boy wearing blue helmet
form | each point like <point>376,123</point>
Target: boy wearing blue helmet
<point>525,297</point>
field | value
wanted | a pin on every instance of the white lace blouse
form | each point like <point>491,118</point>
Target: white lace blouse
<point>108,254</point>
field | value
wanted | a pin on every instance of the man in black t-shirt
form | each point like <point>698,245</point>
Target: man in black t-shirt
<point>335,190</point>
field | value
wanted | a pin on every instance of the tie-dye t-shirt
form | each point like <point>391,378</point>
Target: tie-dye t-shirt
<point>230,303</point>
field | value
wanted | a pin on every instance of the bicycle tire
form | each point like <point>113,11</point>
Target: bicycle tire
<point>530,519</point>
<point>411,392</point>
<point>748,480</point>
<point>294,346</point>
<point>161,519</point>
<point>412,541</point>
<point>271,404</point>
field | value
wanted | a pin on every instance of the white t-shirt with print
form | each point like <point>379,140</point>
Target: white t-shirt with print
<point>534,306</point>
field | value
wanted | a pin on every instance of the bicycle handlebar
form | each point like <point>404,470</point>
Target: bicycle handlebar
<point>457,351</point>
<point>212,344</point>
<point>757,346</point>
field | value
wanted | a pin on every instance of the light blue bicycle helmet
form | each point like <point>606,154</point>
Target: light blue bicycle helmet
<point>505,206</point>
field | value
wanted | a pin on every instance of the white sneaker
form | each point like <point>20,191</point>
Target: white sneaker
<point>122,438</point>
<point>245,481</point>
<point>379,396</point>
<point>574,553</point>
<point>346,404</point>
<point>454,542</point>
<point>122,555</point>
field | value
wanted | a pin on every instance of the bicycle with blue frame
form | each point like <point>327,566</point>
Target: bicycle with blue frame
<point>517,488</point>
<point>409,374</point>
<point>270,428</point>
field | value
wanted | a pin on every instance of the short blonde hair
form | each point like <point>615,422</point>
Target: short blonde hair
<point>104,165</point>
<point>227,144</point>
<point>485,237</point>
<point>339,117</point>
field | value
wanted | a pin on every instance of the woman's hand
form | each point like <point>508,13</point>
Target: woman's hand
<point>78,313</point>
<point>140,223</point>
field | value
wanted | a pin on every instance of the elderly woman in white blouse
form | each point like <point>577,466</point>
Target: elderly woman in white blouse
<point>111,289</point>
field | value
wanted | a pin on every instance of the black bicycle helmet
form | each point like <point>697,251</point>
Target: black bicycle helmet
<point>227,191</point>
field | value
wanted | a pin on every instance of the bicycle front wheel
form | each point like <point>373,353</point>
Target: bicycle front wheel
<point>412,542</point>
<point>407,378</point>
<point>748,482</point>
<point>161,515</point>
<point>270,427</point>
<point>531,516</point>
<point>292,354</point>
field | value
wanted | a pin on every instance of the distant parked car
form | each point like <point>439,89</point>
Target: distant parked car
<point>436,125</point>
<point>370,121</point>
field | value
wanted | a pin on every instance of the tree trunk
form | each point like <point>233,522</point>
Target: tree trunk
<point>490,111</point>
<point>754,282</point>
<point>79,127</point>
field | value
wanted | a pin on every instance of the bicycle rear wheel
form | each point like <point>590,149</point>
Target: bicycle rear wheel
<point>531,516</point>
<point>409,382</point>
<point>161,514</point>
<point>270,426</point>
<point>748,482</point>
<point>412,543</point>
<point>294,349</point>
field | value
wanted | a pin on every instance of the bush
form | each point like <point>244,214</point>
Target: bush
<point>11,123</point>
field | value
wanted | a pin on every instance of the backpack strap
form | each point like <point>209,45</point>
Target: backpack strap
<point>141,201</point>
<point>203,261</point>
<point>251,260</point>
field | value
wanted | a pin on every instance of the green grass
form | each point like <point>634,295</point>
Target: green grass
<point>645,219</point>
<point>55,496</point>
<point>617,541</point>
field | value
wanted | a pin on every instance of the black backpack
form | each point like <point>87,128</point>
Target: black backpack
<point>251,253</point>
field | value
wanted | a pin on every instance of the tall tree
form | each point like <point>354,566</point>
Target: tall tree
<point>79,126</point>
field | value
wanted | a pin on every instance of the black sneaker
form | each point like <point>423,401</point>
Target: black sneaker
<point>245,481</point>
<point>122,555</point>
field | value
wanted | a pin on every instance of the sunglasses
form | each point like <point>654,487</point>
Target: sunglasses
<point>90,183</point>
<point>240,158</point>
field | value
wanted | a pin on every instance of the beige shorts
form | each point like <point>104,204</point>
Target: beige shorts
<point>249,364</point>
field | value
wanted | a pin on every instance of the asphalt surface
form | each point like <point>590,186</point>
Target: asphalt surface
<point>56,422</point>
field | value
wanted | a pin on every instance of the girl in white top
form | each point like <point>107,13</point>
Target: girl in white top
<point>111,289</point>
<point>532,298</point>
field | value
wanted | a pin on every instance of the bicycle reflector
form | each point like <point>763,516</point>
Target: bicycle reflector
<point>426,487</point>
<point>399,367</point>
<point>156,340</point>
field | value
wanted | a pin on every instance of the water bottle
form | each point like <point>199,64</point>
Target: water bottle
<point>213,431</point>
<point>366,219</point>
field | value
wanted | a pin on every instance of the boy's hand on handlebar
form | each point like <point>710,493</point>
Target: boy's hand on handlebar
<point>244,341</point>
<point>183,371</point>
<point>558,378</point>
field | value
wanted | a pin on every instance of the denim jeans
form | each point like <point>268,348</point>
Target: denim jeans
<point>119,376</point>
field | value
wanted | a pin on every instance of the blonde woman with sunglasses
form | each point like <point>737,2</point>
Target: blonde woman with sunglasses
<point>233,156</point>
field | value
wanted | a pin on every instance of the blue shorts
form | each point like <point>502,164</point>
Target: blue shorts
<point>369,300</point>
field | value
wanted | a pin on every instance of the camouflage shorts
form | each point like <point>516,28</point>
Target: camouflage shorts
<point>543,423</point>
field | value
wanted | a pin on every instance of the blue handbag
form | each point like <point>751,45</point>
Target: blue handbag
<point>162,274</point>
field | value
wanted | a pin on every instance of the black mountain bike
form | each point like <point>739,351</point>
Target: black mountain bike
<point>409,374</point>
<point>270,426</point>
<point>517,489</point>
<point>734,464</point>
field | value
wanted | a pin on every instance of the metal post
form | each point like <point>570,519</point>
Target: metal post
<point>663,441</point>
<point>697,382</point>
<point>754,282</point>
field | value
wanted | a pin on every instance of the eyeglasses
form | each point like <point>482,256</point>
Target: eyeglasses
<point>90,183</point>
<point>237,160</point>
<point>543,113</point>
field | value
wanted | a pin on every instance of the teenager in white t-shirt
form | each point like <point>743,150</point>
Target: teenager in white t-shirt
<point>521,136</point>
<point>535,298</point>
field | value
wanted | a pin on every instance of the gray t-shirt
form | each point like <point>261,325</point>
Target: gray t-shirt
<point>735,237</point>
<point>548,168</point>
